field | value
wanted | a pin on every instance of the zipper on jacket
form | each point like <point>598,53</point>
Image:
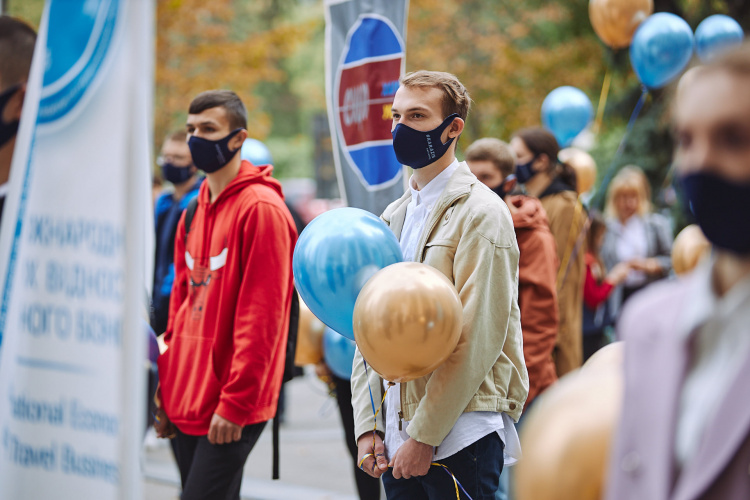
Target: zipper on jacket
<point>400,418</point>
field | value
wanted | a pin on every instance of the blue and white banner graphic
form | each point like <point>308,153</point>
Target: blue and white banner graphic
<point>73,253</point>
<point>365,57</point>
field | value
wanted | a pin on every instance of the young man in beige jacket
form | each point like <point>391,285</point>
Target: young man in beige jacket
<point>462,414</point>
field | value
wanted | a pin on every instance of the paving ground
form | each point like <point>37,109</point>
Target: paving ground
<point>313,459</point>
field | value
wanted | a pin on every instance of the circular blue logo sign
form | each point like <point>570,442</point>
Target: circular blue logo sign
<point>79,37</point>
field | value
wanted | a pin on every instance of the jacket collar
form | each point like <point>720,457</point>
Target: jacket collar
<point>459,185</point>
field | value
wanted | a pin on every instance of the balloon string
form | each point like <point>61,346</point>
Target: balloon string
<point>375,413</point>
<point>601,191</point>
<point>602,101</point>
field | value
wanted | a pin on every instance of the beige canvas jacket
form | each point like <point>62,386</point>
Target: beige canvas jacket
<point>469,237</point>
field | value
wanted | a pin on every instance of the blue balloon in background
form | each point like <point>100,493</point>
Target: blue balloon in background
<point>256,152</point>
<point>566,111</point>
<point>716,34</point>
<point>338,352</point>
<point>661,49</point>
<point>335,256</point>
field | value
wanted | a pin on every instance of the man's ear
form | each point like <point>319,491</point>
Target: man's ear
<point>236,142</point>
<point>457,126</point>
<point>15,105</point>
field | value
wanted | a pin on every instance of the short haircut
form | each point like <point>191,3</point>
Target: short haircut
<point>17,41</point>
<point>236,112</point>
<point>455,96</point>
<point>176,136</point>
<point>632,179</point>
<point>495,151</point>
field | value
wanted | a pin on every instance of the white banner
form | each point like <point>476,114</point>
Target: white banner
<point>72,258</point>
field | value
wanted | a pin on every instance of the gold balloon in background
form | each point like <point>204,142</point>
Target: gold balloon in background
<point>568,434</point>
<point>689,247</point>
<point>583,164</point>
<point>309,337</point>
<point>407,321</point>
<point>615,21</point>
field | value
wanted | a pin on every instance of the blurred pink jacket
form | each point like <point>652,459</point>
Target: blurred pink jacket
<point>642,464</point>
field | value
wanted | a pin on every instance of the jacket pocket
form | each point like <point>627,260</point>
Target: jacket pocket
<point>190,388</point>
<point>440,254</point>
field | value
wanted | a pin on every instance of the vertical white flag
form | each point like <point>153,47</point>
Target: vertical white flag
<point>72,258</point>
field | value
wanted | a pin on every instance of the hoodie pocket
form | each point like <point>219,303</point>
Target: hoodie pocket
<point>189,384</point>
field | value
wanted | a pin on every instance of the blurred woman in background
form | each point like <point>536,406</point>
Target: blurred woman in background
<point>554,183</point>
<point>635,234</point>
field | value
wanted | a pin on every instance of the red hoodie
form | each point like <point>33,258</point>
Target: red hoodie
<point>537,291</point>
<point>229,311</point>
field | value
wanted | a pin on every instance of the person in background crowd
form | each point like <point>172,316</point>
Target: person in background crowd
<point>177,168</point>
<point>597,288</point>
<point>494,163</point>
<point>554,183</point>
<point>684,424</point>
<point>230,307</point>
<point>634,234</point>
<point>462,414</point>
<point>17,41</point>
<point>368,487</point>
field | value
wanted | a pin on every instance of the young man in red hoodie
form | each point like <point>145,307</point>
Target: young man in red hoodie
<point>229,311</point>
<point>493,163</point>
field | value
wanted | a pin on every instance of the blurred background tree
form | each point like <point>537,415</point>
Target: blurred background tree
<point>510,55</point>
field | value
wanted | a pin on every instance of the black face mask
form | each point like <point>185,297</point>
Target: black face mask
<point>7,130</point>
<point>721,209</point>
<point>500,189</point>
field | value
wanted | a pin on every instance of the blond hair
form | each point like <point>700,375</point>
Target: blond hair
<point>630,178</point>
<point>455,96</point>
<point>495,151</point>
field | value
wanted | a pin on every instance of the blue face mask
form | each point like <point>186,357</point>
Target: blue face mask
<point>524,172</point>
<point>500,190</point>
<point>211,156</point>
<point>721,209</point>
<point>175,174</point>
<point>417,149</point>
<point>7,130</point>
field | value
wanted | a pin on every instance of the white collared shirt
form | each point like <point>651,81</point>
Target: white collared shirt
<point>632,244</point>
<point>471,426</point>
<point>721,341</point>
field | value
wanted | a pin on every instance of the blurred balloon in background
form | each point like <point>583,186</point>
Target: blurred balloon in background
<point>407,321</point>
<point>615,21</point>
<point>309,337</point>
<point>256,152</point>
<point>583,164</point>
<point>716,34</point>
<point>689,248</point>
<point>338,352</point>
<point>335,256</point>
<point>566,112</point>
<point>662,48</point>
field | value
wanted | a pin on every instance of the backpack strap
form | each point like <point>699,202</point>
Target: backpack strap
<point>189,214</point>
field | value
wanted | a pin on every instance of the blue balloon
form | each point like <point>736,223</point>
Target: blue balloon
<point>335,256</point>
<point>338,352</point>
<point>661,49</point>
<point>566,111</point>
<point>716,34</point>
<point>256,152</point>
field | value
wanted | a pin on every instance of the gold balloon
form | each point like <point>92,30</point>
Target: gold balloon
<point>688,249</point>
<point>407,321</point>
<point>615,21</point>
<point>567,436</point>
<point>583,164</point>
<point>309,337</point>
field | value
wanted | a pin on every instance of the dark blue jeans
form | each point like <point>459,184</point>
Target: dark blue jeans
<point>477,467</point>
